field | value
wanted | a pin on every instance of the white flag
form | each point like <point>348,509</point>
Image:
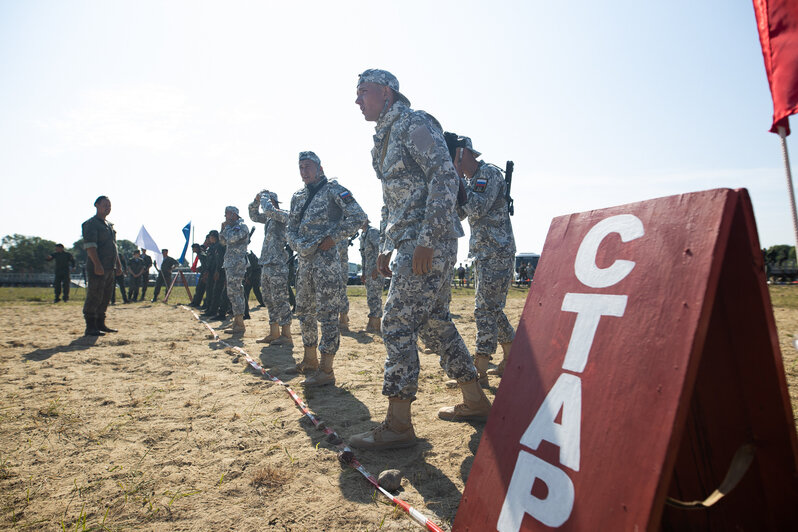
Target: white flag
<point>145,241</point>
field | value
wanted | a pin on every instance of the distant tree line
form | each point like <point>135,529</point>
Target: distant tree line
<point>781,256</point>
<point>28,254</point>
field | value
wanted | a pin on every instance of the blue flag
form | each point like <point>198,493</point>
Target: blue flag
<point>187,234</point>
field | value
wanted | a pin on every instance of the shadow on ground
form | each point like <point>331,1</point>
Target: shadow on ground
<point>78,344</point>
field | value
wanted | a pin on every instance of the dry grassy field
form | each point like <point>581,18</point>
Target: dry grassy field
<point>160,427</point>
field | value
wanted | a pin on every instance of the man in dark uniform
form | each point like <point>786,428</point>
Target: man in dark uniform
<point>120,281</point>
<point>165,277</point>
<point>216,278</point>
<point>135,267</point>
<point>99,239</point>
<point>202,270</point>
<point>64,262</point>
<point>145,275</point>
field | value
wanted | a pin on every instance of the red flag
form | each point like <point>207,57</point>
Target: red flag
<point>777,21</point>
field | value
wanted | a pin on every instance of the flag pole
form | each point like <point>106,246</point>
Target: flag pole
<point>786,155</point>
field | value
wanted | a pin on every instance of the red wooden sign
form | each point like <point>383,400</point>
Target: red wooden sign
<point>645,358</point>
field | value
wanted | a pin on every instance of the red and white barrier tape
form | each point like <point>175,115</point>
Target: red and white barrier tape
<point>345,454</point>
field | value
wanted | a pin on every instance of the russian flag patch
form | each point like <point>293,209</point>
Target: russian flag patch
<point>480,184</point>
<point>346,196</point>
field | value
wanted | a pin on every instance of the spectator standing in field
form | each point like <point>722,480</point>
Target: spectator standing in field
<point>322,215</point>
<point>119,280</point>
<point>274,258</point>
<point>200,267</point>
<point>343,255</point>
<point>145,274</point>
<point>492,246</point>
<point>99,240</point>
<point>64,262</point>
<point>369,250</point>
<point>135,269</point>
<point>234,234</point>
<point>165,276</point>
<point>419,221</point>
<point>216,294</point>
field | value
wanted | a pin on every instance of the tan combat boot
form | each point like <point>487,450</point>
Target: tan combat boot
<point>393,433</point>
<point>475,405</point>
<point>274,334</point>
<point>343,321</point>
<point>506,354</point>
<point>324,375</point>
<point>285,337</point>
<point>238,326</point>
<point>481,363</point>
<point>309,364</point>
<point>374,325</point>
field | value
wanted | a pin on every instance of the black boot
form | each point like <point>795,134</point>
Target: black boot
<point>91,327</point>
<point>103,327</point>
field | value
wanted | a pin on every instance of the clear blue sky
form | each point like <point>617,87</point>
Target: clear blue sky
<point>176,109</point>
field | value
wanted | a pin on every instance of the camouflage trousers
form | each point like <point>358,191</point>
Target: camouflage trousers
<point>319,295</point>
<point>417,302</point>
<point>235,286</point>
<point>374,296</point>
<point>493,278</point>
<point>344,256</point>
<point>274,287</point>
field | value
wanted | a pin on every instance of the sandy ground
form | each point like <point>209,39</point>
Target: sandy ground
<point>159,427</point>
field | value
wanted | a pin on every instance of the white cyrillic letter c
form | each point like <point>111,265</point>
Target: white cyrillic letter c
<point>629,227</point>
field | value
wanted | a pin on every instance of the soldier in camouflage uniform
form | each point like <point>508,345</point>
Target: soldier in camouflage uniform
<point>369,249</point>
<point>419,188</point>
<point>235,235</point>
<point>274,266</point>
<point>492,247</point>
<point>323,213</point>
<point>343,255</point>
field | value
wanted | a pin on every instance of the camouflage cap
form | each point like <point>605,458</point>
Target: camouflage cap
<point>382,77</point>
<point>269,194</point>
<point>466,142</point>
<point>230,208</point>
<point>309,155</point>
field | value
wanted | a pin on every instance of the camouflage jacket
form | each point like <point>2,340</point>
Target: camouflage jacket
<point>236,238</point>
<point>369,249</point>
<point>488,216</point>
<point>419,183</point>
<point>273,250</point>
<point>332,212</point>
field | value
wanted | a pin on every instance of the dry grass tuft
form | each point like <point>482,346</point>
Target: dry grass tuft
<point>270,477</point>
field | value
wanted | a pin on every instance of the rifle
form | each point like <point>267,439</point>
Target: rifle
<point>508,180</point>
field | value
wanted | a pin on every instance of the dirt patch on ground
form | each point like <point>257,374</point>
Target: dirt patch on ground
<point>160,427</point>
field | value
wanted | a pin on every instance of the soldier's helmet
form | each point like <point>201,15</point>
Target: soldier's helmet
<point>383,77</point>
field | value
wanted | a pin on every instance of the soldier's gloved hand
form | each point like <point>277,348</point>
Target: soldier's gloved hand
<point>422,260</point>
<point>326,244</point>
<point>384,264</point>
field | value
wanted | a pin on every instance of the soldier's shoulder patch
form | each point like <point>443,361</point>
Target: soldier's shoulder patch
<point>346,196</point>
<point>422,138</point>
<point>480,184</point>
